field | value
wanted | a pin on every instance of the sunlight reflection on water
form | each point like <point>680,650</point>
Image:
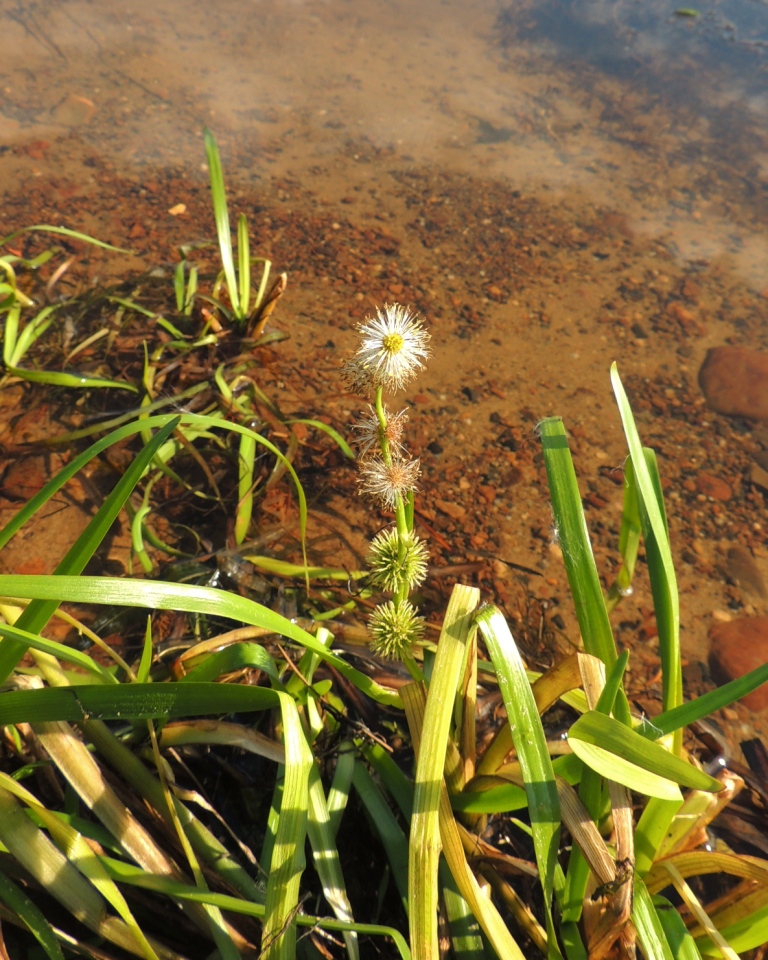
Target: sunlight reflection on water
<point>659,115</point>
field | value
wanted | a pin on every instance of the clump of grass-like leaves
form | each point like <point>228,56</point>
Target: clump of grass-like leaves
<point>22,331</point>
<point>184,346</point>
<point>248,312</point>
<point>92,815</point>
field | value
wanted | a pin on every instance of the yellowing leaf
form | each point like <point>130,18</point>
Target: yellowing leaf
<point>622,771</point>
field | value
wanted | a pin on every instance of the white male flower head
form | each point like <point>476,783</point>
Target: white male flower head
<point>369,432</point>
<point>386,482</point>
<point>393,348</point>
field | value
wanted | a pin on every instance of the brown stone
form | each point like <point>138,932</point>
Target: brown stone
<point>734,381</point>
<point>454,510</point>
<point>73,111</point>
<point>487,492</point>
<point>714,487</point>
<point>738,647</point>
<point>758,476</point>
<point>24,478</point>
<point>37,149</point>
<point>744,572</point>
<point>685,318</point>
<point>690,290</point>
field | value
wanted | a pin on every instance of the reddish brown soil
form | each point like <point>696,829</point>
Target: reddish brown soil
<point>546,221</point>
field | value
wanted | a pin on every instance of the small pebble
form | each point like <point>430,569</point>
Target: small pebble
<point>745,573</point>
<point>454,510</point>
<point>758,476</point>
<point>714,487</point>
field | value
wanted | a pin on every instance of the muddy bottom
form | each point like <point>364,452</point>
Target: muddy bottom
<point>546,220</point>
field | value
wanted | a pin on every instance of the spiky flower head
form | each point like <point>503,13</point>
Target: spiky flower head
<point>369,432</point>
<point>395,629</point>
<point>384,482</point>
<point>393,348</point>
<point>389,569</point>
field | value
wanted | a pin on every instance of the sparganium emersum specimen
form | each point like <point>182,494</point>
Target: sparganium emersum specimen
<point>393,348</point>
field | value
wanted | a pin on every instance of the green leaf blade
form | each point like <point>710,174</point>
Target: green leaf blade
<point>532,753</point>
<point>574,540</point>
<point>626,744</point>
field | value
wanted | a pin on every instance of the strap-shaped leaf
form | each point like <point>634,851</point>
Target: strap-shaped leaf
<point>163,595</point>
<point>625,744</point>
<point>659,555</point>
<point>17,900</point>
<point>616,768</point>
<point>221,215</point>
<point>532,753</point>
<point>574,538</point>
<point>287,861</point>
<point>424,849</point>
<point>231,659</point>
<point>650,931</point>
<point>705,705</point>
<point>139,701</point>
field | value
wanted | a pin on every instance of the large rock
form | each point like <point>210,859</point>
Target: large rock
<point>734,381</point>
<point>739,647</point>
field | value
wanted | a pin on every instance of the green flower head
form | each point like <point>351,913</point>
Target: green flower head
<point>396,562</point>
<point>395,629</point>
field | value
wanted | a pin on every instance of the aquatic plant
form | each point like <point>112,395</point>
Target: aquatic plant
<point>602,901</point>
<point>248,314</point>
<point>195,332</point>
<point>185,285</point>
<point>393,346</point>
<point>20,333</point>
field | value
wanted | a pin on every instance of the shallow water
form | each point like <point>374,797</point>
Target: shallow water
<point>555,185</point>
<point>618,103</point>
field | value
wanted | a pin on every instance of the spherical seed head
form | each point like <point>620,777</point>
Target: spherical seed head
<point>386,482</point>
<point>369,432</point>
<point>395,629</point>
<point>395,562</point>
<point>393,348</point>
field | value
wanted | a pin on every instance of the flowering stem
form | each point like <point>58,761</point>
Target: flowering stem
<point>378,400</point>
<point>393,347</point>
<point>414,669</point>
<point>386,454</point>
